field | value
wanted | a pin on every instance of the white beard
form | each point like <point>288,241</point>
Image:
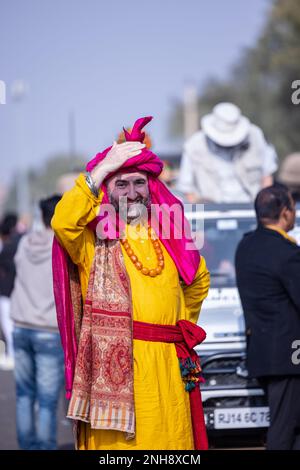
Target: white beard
<point>134,211</point>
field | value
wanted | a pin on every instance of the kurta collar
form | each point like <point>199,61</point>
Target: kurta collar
<point>282,232</point>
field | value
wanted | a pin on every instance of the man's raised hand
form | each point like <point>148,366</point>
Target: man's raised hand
<point>118,154</point>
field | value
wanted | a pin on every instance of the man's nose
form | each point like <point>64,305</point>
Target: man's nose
<point>131,194</point>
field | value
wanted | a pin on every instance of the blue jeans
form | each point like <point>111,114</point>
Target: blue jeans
<point>39,375</point>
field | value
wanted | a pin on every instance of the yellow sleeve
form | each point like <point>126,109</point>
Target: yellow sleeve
<point>195,293</point>
<point>75,210</point>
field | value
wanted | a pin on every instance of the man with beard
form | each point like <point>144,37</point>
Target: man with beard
<point>132,375</point>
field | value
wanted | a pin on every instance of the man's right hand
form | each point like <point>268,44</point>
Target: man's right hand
<point>118,154</point>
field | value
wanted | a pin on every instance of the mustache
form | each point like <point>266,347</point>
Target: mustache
<point>123,200</point>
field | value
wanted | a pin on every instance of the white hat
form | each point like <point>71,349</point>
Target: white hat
<point>225,125</point>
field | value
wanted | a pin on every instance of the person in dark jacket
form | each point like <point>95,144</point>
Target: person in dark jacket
<point>39,355</point>
<point>10,239</point>
<point>268,279</point>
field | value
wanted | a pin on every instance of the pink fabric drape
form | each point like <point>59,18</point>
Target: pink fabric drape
<point>65,314</point>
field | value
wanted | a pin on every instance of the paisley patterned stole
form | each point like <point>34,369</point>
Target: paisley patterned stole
<point>102,392</point>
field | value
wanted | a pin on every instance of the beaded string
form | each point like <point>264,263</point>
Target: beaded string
<point>138,264</point>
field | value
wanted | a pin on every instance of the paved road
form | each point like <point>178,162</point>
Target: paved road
<point>8,439</point>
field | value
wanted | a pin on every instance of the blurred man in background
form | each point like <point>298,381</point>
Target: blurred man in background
<point>267,271</point>
<point>38,351</point>
<point>229,160</point>
<point>10,239</point>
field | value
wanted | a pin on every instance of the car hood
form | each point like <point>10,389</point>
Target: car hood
<point>222,316</point>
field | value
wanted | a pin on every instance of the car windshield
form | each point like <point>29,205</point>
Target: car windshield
<point>221,237</point>
<point>222,233</point>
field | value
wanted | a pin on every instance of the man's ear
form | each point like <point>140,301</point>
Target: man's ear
<point>285,213</point>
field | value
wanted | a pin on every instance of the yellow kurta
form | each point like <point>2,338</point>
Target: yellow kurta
<point>161,404</point>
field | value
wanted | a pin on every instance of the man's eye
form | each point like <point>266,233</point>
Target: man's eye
<point>121,185</point>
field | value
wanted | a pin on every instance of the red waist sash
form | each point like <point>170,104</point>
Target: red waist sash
<point>185,335</point>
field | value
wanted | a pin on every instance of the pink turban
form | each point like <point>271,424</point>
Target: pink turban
<point>187,261</point>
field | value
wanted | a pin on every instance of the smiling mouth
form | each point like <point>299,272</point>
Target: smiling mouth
<point>133,202</point>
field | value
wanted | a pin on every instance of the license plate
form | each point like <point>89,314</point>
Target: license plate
<point>236,418</point>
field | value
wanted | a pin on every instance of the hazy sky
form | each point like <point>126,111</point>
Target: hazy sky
<point>109,62</point>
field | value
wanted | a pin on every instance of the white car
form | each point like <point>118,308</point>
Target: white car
<point>233,403</point>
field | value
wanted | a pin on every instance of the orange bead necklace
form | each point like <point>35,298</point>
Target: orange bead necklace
<point>159,255</point>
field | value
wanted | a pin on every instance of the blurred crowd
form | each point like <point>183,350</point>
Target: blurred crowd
<point>29,327</point>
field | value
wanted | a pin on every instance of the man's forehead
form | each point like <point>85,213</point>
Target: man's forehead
<point>130,176</point>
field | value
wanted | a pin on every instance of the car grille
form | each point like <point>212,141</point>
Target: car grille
<point>235,402</point>
<point>225,372</point>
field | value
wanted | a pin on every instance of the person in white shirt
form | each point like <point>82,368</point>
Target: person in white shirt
<point>229,160</point>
